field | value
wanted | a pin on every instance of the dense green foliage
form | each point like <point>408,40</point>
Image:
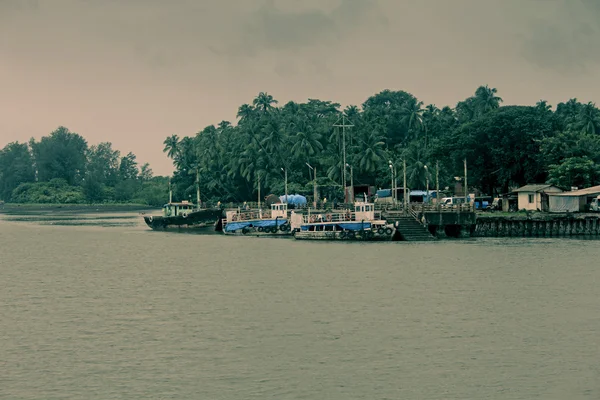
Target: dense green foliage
<point>505,146</point>
<point>61,168</point>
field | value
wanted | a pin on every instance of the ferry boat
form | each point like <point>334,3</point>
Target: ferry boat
<point>184,215</point>
<point>275,222</point>
<point>362,224</point>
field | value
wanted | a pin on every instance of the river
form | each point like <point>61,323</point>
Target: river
<point>98,307</point>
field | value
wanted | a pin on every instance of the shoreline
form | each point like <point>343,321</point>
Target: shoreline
<point>30,208</point>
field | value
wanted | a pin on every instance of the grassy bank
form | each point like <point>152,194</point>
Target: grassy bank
<point>13,208</point>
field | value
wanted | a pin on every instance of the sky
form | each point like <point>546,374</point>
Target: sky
<point>133,72</point>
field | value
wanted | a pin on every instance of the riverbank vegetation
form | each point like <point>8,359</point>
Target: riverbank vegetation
<point>62,169</point>
<point>505,145</point>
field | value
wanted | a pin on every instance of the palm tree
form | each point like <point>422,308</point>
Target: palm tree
<point>412,112</point>
<point>370,152</point>
<point>224,125</point>
<point>351,112</point>
<point>416,173</point>
<point>171,146</point>
<point>307,142</point>
<point>486,99</point>
<point>245,111</point>
<point>589,118</point>
<point>543,106</point>
<point>264,102</point>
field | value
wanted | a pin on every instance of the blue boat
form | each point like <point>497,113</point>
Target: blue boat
<point>360,224</point>
<point>275,222</point>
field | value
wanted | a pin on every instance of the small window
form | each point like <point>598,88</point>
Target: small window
<point>357,208</point>
<point>530,198</point>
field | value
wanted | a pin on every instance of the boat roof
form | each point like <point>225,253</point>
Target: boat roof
<point>182,203</point>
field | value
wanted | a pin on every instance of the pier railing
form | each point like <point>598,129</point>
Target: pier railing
<point>343,216</point>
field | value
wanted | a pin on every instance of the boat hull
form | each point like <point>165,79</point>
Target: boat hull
<point>255,233</point>
<point>344,236</point>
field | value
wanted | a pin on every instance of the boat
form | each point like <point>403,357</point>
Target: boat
<point>184,215</point>
<point>361,224</point>
<point>275,222</point>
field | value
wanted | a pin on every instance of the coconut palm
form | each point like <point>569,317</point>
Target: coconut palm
<point>171,146</point>
<point>589,118</point>
<point>486,99</point>
<point>264,102</point>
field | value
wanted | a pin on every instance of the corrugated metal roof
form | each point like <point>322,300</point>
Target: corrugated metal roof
<point>591,191</point>
<point>533,188</point>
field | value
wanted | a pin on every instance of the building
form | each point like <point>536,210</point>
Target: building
<point>535,197</point>
<point>573,201</point>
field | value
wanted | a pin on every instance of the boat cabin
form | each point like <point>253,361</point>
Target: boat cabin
<point>364,211</point>
<point>178,209</point>
<point>279,210</point>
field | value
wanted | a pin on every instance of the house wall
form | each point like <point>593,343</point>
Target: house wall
<point>523,199</point>
<point>524,204</point>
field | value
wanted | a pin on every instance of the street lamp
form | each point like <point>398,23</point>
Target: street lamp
<point>351,183</point>
<point>285,174</point>
<point>392,183</point>
<point>314,183</point>
<point>427,180</point>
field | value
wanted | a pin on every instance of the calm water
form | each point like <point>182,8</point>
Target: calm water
<point>106,309</point>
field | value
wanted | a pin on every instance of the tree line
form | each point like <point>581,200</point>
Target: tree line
<point>62,168</point>
<point>505,146</point>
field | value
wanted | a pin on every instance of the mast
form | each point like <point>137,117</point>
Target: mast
<point>198,187</point>
<point>466,191</point>
<point>405,196</point>
<point>343,125</point>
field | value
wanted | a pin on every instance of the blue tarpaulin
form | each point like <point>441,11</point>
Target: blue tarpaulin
<point>237,225</point>
<point>295,199</point>
<point>382,193</point>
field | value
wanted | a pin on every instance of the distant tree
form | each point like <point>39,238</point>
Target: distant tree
<point>62,155</point>
<point>128,168</point>
<point>16,167</point>
<point>145,173</point>
<point>103,164</point>
<point>574,171</point>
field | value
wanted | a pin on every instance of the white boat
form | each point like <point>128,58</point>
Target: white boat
<point>275,222</point>
<point>360,224</point>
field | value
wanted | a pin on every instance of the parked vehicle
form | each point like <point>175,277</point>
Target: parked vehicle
<point>595,204</point>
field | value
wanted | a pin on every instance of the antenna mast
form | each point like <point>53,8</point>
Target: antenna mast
<point>343,125</point>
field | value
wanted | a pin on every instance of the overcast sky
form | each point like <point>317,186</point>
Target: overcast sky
<point>135,71</point>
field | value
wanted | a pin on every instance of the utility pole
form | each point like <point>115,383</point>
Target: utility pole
<point>427,180</point>
<point>285,175</point>
<point>198,187</point>
<point>343,125</point>
<point>170,192</point>
<point>405,190</point>
<point>392,181</point>
<point>258,181</point>
<point>314,169</point>
<point>315,194</point>
<point>351,183</point>
<point>466,191</point>
<point>437,183</point>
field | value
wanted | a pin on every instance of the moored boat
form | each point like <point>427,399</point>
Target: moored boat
<point>184,215</point>
<point>275,222</point>
<point>360,224</point>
